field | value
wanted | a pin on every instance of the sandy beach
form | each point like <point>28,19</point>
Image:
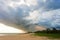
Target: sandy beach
<point>23,37</point>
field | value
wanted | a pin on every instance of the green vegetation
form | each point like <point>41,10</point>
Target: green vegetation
<point>50,35</point>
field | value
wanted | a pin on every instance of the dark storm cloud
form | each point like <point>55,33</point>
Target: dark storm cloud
<point>27,12</point>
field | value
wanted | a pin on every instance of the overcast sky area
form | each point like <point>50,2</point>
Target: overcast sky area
<point>27,12</point>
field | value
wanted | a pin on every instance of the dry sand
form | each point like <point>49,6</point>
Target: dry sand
<point>24,37</point>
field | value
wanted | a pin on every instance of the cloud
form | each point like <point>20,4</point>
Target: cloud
<point>51,18</point>
<point>42,12</point>
<point>33,16</point>
<point>48,18</point>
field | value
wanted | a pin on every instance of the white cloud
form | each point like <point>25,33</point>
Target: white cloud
<point>44,0</point>
<point>52,16</point>
<point>33,16</point>
<point>31,2</point>
<point>14,4</point>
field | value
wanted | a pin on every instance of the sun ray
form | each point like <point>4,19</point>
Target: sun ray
<point>7,29</point>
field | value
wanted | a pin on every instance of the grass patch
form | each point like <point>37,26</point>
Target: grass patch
<point>50,35</point>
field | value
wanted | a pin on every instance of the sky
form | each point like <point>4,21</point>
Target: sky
<point>8,29</point>
<point>27,12</point>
